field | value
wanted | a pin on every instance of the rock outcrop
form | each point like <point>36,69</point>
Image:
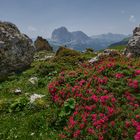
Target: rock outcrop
<point>42,44</point>
<point>61,35</point>
<point>133,48</point>
<point>104,54</point>
<point>16,49</point>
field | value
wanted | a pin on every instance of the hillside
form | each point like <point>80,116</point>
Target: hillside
<point>67,94</point>
<point>66,97</point>
<point>120,45</point>
<point>69,69</point>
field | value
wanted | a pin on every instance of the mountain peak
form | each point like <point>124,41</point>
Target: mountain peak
<point>62,28</point>
<point>61,35</point>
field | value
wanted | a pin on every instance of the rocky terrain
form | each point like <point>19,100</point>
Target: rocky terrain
<point>133,47</point>
<point>67,94</point>
<point>16,49</point>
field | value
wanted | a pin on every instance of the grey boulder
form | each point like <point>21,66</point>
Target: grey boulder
<point>16,50</point>
<point>133,48</point>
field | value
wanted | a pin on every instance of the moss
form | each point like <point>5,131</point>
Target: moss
<point>42,44</point>
<point>64,52</point>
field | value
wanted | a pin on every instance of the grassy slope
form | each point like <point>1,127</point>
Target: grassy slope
<point>120,45</point>
<point>38,122</point>
<point>32,123</point>
<point>119,48</point>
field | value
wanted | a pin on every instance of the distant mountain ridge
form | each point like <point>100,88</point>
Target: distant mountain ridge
<point>110,37</point>
<point>123,42</point>
<point>78,40</point>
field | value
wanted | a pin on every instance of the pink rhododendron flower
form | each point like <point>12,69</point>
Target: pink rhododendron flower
<point>82,126</point>
<point>88,108</point>
<point>119,75</point>
<point>110,110</point>
<point>113,99</point>
<point>90,130</point>
<point>72,122</point>
<point>133,83</point>
<point>127,124</point>
<point>100,138</point>
<point>76,133</point>
<point>94,97</point>
<point>112,123</point>
<point>75,113</point>
<point>137,72</point>
<point>62,136</point>
<point>138,116</point>
<point>56,98</point>
<point>104,98</point>
<point>102,115</point>
<point>82,82</point>
<point>84,118</point>
<point>94,117</point>
<point>138,128</point>
<point>137,136</point>
<point>134,123</point>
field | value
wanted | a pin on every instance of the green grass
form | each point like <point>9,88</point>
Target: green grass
<point>119,48</point>
<point>21,120</point>
<point>18,119</point>
<point>26,125</point>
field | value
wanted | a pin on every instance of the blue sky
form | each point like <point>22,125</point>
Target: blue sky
<point>41,17</point>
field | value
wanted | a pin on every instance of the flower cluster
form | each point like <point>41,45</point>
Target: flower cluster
<point>107,100</point>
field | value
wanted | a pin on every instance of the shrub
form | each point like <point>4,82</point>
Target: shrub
<point>63,52</point>
<point>106,98</point>
<point>40,103</point>
<point>68,57</point>
<point>89,50</point>
<point>18,104</point>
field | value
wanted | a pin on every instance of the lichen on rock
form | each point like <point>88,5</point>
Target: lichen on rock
<point>16,49</point>
<point>133,48</point>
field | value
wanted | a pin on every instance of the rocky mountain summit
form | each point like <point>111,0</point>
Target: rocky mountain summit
<point>16,49</point>
<point>62,35</point>
<point>42,44</point>
<point>133,48</point>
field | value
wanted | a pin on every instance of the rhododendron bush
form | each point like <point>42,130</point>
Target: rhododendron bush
<point>99,101</point>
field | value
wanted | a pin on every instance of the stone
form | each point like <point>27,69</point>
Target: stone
<point>42,44</point>
<point>93,60</point>
<point>16,50</point>
<point>33,80</point>
<point>18,91</point>
<point>129,55</point>
<point>106,53</point>
<point>35,97</point>
<point>111,52</point>
<point>133,46</point>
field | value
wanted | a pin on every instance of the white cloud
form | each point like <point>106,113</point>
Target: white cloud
<point>132,18</point>
<point>32,29</point>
